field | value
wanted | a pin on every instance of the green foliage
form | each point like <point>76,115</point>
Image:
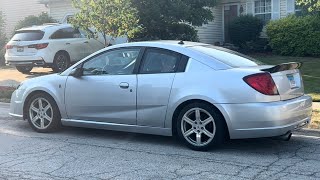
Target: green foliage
<point>161,19</point>
<point>245,28</point>
<point>310,6</point>
<point>109,17</point>
<point>34,20</point>
<point>3,39</point>
<point>177,31</point>
<point>295,36</point>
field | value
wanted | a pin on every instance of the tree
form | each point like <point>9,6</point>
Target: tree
<point>34,20</point>
<point>309,6</point>
<point>172,19</point>
<point>109,17</point>
<point>3,39</point>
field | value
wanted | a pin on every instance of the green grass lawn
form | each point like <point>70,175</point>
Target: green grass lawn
<point>310,71</point>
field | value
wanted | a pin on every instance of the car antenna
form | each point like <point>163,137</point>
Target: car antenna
<point>181,42</point>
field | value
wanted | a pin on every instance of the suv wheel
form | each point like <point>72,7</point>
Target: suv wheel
<point>61,62</point>
<point>200,127</point>
<point>24,69</point>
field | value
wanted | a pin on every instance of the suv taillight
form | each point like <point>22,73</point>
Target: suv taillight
<point>39,46</point>
<point>263,83</point>
<point>8,46</point>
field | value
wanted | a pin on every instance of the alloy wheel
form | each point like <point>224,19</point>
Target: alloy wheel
<point>198,127</point>
<point>41,113</point>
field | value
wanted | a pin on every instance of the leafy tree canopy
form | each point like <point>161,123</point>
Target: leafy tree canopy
<point>34,20</point>
<point>163,19</point>
<point>310,6</point>
<point>109,17</point>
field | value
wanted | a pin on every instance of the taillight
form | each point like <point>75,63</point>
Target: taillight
<point>39,46</point>
<point>263,83</point>
<point>9,46</point>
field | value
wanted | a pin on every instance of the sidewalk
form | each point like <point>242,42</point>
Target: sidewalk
<point>316,105</point>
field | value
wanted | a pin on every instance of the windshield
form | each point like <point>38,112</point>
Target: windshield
<point>229,57</point>
<point>28,36</point>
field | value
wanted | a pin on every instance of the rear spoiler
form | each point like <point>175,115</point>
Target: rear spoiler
<point>283,67</point>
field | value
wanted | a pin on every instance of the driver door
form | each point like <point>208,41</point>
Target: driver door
<point>107,90</point>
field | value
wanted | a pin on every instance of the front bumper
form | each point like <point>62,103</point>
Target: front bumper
<point>255,120</point>
<point>16,106</point>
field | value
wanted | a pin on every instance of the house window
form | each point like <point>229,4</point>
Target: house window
<point>298,10</point>
<point>262,10</point>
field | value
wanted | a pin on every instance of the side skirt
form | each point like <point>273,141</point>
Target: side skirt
<point>117,127</point>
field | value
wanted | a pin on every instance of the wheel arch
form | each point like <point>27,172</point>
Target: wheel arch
<point>190,101</point>
<point>26,100</point>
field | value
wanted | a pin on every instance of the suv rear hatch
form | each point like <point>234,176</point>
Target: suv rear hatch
<point>24,43</point>
<point>288,79</point>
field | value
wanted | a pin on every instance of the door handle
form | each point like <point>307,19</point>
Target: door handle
<point>67,43</point>
<point>124,85</point>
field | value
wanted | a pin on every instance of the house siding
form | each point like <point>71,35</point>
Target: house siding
<point>16,10</point>
<point>283,8</point>
<point>212,32</point>
<point>61,8</point>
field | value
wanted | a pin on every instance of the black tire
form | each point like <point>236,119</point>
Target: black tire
<point>217,136</point>
<point>24,69</point>
<point>61,62</point>
<point>53,112</point>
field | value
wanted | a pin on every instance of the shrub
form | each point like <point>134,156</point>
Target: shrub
<point>295,36</point>
<point>34,20</point>
<point>3,39</point>
<point>245,28</point>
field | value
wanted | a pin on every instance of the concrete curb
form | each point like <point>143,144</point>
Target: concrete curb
<point>308,132</point>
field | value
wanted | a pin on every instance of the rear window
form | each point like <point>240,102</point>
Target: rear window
<point>28,36</point>
<point>231,58</point>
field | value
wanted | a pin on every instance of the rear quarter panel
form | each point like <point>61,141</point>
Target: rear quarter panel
<point>217,87</point>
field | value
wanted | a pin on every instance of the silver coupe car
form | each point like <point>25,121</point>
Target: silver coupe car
<point>202,93</point>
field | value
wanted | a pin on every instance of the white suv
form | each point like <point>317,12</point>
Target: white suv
<point>49,45</point>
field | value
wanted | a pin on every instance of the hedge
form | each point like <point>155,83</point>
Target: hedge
<point>295,36</point>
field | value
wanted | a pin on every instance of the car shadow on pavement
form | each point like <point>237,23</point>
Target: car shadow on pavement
<point>135,141</point>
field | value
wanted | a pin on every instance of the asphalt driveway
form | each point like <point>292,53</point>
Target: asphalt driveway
<point>76,153</point>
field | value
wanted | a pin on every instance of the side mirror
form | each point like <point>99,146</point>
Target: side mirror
<point>77,72</point>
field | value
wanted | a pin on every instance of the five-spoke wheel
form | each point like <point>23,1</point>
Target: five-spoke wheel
<point>200,126</point>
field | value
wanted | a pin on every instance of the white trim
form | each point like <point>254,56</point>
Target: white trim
<point>238,13</point>
<point>272,12</point>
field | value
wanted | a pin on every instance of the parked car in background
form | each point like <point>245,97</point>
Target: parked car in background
<point>49,45</point>
<point>202,93</point>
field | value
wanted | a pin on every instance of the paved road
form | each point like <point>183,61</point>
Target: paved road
<point>76,153</point>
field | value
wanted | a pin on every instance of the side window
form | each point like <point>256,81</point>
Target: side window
<point>116,62</point>
<point>159,61</point>
<point>66,33</point>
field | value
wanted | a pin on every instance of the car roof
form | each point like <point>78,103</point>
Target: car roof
<point>45,27</point>
<point>176,43</point>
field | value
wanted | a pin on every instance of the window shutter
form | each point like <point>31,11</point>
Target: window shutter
<point>249,8</point>
<point>290,6</point>
<point>275,9</point>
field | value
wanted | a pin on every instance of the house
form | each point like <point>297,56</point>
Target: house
<point>225,11</point>
<point>16,10</point>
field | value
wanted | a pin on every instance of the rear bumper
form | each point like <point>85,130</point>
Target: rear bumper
<point>25,60</point>
<point>255,120</point>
